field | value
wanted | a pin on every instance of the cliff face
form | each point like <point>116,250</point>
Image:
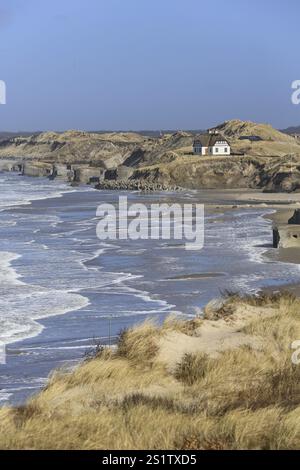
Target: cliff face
<point>236,129</point>
<point>189,172</point>
<point>73,147</point>
<point>263,158</point>
<point>274,174</point>
<point>174,386</point>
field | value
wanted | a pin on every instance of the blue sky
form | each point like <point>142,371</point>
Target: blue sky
<point>147,64</point>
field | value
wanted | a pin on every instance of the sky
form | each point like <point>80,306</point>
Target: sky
<point>147,64</point>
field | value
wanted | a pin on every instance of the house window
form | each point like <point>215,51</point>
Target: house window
<point>217,149</point>
<point>225,149</point>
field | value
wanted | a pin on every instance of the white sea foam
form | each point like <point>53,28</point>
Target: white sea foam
<point>8,275</point>
<point>23,304</point>
<point>58,289</point>
<point>27,190</point>
<point>5,395</point>
<point>64,265</point>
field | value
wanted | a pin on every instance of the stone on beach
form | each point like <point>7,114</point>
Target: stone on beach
<point>288,235</point>
<point>295,219</point>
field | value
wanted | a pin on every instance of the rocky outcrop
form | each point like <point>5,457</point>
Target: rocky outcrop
<point>196,173</point>
<point>122,173</point>
<point>11,165</point>
<point>135,185</point>
<point>270,161</point>
<point>37,169</point>
<point>237,129</point>
<point>86,174</point>
<point>69,173</point>
<point>288,235</point>
<point>295,219</point>
<point>107,150</point>
<point>64,172</point>
<point>281,174</point>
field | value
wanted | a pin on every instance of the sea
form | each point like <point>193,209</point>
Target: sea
<point>63,291</point>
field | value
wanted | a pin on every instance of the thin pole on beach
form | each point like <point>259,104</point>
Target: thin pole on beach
<point>109,330</point>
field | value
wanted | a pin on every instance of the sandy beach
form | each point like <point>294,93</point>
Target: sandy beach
<point>119,283</point>
<point>283,205</point>
<point>124,284</point>
<point>225,382</point>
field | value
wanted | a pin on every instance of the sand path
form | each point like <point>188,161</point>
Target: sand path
<point>213,336</point>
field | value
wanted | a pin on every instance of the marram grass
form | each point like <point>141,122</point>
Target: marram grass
<point>243,398</point>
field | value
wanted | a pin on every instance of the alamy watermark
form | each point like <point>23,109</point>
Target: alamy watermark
<point>296,93</point>
<point>296,354</point>
<point>2,92</point>
<point>154,222</point>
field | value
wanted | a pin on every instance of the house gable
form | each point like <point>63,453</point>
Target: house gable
<point>211,144</point>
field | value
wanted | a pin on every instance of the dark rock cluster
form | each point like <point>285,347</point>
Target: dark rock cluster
<point>135,185</point>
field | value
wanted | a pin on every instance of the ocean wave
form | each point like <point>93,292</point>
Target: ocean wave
<point>27,190</point>
<point>23,305</point>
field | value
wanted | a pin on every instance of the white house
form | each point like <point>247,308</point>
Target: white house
<point>211,144</point>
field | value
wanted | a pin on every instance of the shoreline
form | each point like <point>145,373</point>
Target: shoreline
<point>35,327</point>
<point>283,206</point>
<point>178,378</point>
<point>214,201</point>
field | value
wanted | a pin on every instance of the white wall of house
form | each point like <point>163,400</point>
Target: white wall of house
<point>220,148</point>
<point>198,150</point>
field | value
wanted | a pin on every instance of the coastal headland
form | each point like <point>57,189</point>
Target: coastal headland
<point>225,381</point>
<point>261,158</point>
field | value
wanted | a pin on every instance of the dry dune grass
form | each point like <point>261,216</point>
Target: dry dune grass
<point>243,398</point>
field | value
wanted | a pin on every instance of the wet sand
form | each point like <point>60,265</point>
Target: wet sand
<point>224,200</point>
<point>188,277</point>
<point>283,204</point>
<point>129,282</point>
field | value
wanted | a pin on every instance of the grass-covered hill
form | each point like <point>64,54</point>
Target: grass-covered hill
<point>261,156</point>
<point>223,382</point>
